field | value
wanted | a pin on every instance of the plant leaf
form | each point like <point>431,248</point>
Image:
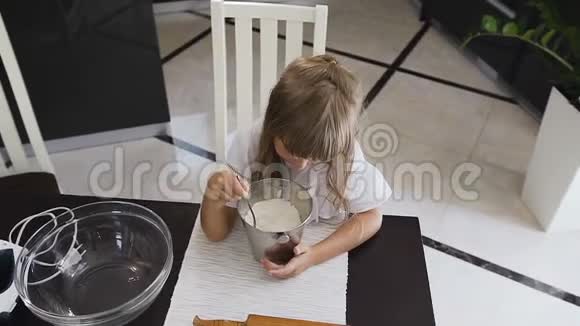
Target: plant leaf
<point>489,24</point>
<point>529,34</point>
<point>573,36</point>
<point>557,44</point>
<point>510,29</point>
<point>547,37</point>
<point>539,31</point>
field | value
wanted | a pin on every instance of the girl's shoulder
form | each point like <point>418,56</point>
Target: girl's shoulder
<point>359,160</point>
<point>243,148</point>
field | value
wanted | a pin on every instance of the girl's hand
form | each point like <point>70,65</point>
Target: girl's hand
<point>302,261</point>
<point>225,186</point>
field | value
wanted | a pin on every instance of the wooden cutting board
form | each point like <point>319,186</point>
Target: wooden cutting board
<point>256,320</point>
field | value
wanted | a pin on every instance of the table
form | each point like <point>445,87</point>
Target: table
<point>387,281</point>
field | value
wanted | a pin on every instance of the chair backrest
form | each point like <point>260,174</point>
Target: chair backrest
<point>269,15</point>
<point>8,132</point>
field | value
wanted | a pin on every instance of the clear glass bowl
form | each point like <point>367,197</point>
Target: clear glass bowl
<point>111,273</point>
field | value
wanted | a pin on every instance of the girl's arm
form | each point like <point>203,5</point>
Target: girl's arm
<point>356,230</point>
<point>218,219</point>
<point>350,235</point>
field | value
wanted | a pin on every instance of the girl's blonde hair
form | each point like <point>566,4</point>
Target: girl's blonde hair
<point>314,109</point>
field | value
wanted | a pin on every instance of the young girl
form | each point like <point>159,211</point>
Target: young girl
<point>309,129</point>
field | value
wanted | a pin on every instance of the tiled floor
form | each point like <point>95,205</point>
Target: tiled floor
<point>190,90</point>
<point>438,56</point>
<point>407,102</point>
<point>464,294</point>
<point>354,26</point>
<point>177,29</point>
<point>436,125</point>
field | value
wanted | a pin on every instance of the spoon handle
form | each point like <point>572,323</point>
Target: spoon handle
<point>238,177</point>
<point>249,204</point>
<point>234,170</point>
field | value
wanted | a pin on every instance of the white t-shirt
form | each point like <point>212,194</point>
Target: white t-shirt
<point>366,186</point>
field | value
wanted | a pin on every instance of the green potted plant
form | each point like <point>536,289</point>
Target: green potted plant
<point>557,36</point>
<point>552,186</point>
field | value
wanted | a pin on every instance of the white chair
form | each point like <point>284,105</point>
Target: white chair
<point>269,15</point>
<point>8,132</point>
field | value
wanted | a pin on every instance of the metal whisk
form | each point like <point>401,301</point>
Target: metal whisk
<point>238,177</point>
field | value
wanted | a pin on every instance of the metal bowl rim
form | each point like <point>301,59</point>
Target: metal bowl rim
<point>301,225</point>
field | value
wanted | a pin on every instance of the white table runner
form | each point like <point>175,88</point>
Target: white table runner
<point>223,281</point>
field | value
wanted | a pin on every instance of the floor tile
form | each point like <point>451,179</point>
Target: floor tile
<point>420,179</point>
<point>464,294</point>
<point>419,174</point>
<point>432,113</point>
<point>189,83</point>
<point>508,137</point>
<point>119,166</point>
<point>498,227</point>
<point>437,55</point>
<point>203,6</point>
<point>198,129</point>
<point>376,29</point>
<point>175,29</point>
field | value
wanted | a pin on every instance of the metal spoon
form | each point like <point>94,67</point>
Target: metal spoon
<point>248,198</point>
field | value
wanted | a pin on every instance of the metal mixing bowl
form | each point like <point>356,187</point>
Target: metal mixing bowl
<point>105,267</point>
<point>276,246</point>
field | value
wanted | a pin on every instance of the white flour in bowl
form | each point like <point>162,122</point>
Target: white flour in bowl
<point>274,215</point>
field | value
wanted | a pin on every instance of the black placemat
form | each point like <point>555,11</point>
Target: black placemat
<point>387,278</point>
<point>179,217</point>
